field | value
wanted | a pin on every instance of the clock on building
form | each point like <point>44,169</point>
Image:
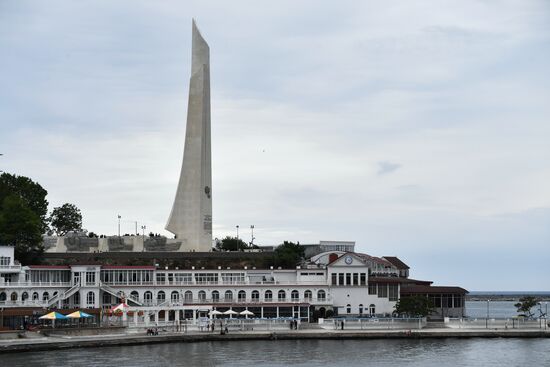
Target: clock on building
<point>348,260</point>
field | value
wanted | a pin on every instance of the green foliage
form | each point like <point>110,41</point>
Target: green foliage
<point>288,254</point>
<point>21,227</point>
<point>65,218</point>
<point>525,305</point>
<point>31,194</point>
<point>231,244</point>
<point>414,306</point>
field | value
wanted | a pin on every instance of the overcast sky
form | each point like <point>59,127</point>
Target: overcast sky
<point>417,129</point>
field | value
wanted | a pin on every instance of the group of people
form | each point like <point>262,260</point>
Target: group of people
<point>338,324</point>
<point>293,324</point>
<point>153,331</point>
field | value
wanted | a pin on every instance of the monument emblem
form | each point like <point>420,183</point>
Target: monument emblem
<point>191,216</point>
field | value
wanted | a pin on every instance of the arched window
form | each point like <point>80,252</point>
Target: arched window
<point>215,296</point>
<point>188,296</point>
<point>295,296</point>
<point>45,296</point>
<point>282,296</point>
<point>90,299</point>
<point>13,297</point>
<point>161,296</point>
<point>228,296</point>
<point>36,297</point>
<point>308,295</point>
<point>175,297</point>
<point>361,309</point>
<point>24,296</point>
<point>3,296</point>
<point>55,294</point>
<point>148,297</point>
<point>321,295</point>
<point>134,295</point>
<point>76,299</point>
<point>255,296</point>
<point>348,308</point>
<point>241,296</point>
<point>268,296</point>
<point>202,296</point>
<point>372,309</point>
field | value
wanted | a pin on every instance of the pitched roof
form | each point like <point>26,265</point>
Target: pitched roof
<point>424,289</point>
<point>397,262</point>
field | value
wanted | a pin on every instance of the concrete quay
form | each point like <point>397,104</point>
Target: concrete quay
<point>64,342</point>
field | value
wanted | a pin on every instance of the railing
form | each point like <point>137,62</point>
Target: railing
<point>235,302</point>
<point>28,283</point>
<point>10,267</point>
<point>217,283</point>
<point>19,303</point>
<point>373,323</point>
<point>496,323</point>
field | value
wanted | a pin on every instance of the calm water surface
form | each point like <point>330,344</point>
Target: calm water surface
<point>409,352</point>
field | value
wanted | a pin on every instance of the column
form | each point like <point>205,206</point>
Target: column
<point>156,317</point>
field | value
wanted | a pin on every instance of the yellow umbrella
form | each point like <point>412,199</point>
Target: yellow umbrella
<point>53,316</point>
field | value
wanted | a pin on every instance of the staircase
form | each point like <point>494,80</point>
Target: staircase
<point>119,294</point>
<point>435,325</point>
<point>63,296</point>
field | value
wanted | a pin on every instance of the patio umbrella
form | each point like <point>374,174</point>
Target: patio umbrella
<point>78,315</point>
<point>120,307</point>
<point>230,313</point>
<point>53,316</point>
<point>215,312</point>
<point>246,313</point>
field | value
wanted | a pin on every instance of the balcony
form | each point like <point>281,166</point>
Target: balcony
<point>29,284</point>
<point>10,268</point>
<point>234,302</point>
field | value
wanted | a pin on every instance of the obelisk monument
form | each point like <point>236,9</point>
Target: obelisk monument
<point>191,216</point>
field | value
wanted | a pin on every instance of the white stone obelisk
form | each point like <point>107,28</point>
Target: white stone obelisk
<point>191,216</point>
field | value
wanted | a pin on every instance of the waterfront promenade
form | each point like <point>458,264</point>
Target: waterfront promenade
<point>38,343</point>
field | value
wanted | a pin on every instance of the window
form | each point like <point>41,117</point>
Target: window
<point>382,290</point>
<point>76,298</point>
<point>255,296</point>
<point>372,309</point>
<point>321,295</point>
<point>183,278</point>
<point>206,278</point>
<point>148,297</point>
<point>175,297</point>
<point>281,296</point>
<point>134,295</point>
<point>188,296</point>
<point>161,296</point>
<point>36,297</point>
<point>90,299</point>
<point>363,279</point>
<point>215,296</point>
<point>106,298</point>
<point>3,297</point>
<point>241,296</point>
<point>13,297</point>
<point>24,296</point>
<point>233,278</point>
<point>268,296</point>
<point>348,278</point>
<point>307,295</point>
<point>202,296</point>
<point>295,296</point>
<point>4,261</point>
<point>90,277</point>
<point>161,278</point>
<point>372,288</point>
<point>393,293</point>
<point>228,296</point>
<point>355,279</point>
<point>45,296</point>
<point>348,308</point>
<point>341,279</point>
<point>361,309</point>
<point>334,279</point>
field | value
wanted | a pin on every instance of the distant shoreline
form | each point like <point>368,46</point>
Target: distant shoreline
<point>505,296</point>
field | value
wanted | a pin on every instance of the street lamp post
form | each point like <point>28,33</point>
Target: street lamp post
<point>252,235</point>
<point>237,226</point>
<point>119,225</point>
<point>143,236</point>
<point>487,319</point>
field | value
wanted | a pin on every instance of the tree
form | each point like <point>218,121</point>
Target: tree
<point>525,305</point>
<point>31,194</point>
<point>414,306</point>
<point>21,227</point>
<point>231,244</point>
<point>66,218</point>
<point>288,254</point>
